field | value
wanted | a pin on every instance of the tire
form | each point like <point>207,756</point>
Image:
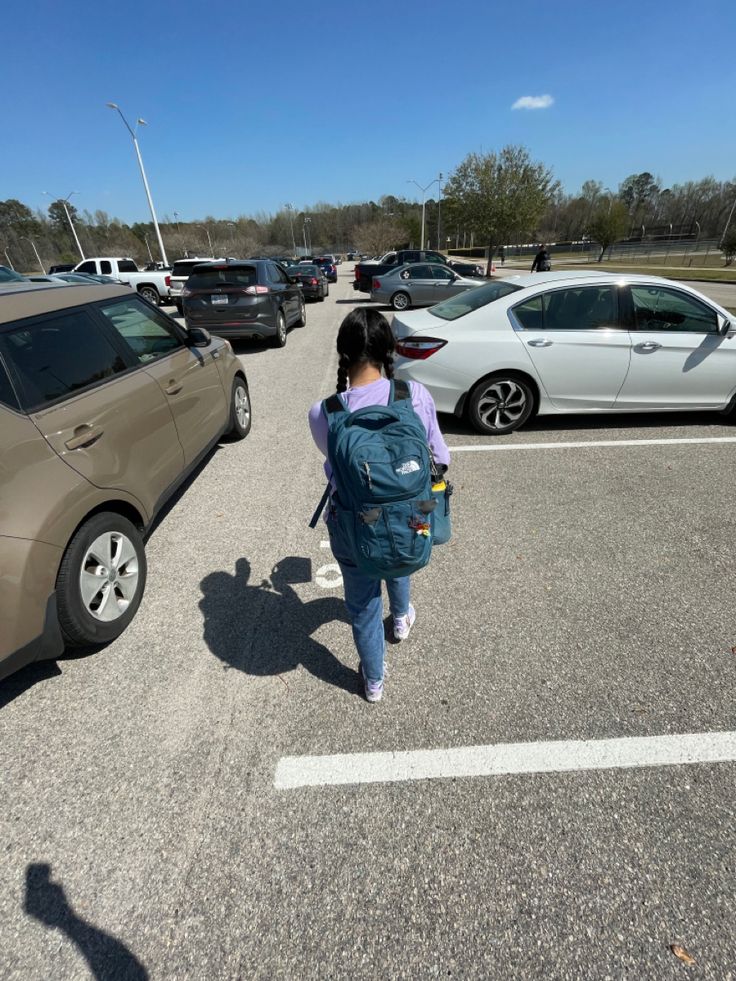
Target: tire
<point>241,417</point>
<point>327,291</point>
<point>322,296</point>
<point>280,337</point>
<point>401,300</point>
<point>179,309</point>
<point>149,293</point>
<point>96,614</point>
<point>500,404</point>
<point>301,320</point>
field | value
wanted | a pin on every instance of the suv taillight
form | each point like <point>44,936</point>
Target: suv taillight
<point>256,290</point>
<point>419,348</point>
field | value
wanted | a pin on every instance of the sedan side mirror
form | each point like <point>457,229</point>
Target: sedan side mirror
<point>199,337</point>
<point>724,325</point>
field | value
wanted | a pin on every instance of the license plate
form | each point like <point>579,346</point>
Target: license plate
<point>217,300</point>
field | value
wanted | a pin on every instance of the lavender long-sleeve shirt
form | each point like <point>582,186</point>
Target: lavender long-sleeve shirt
<point>377,394</point>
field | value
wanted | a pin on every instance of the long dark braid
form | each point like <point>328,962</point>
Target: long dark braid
<point>342,372</point>
<point>364,336</point>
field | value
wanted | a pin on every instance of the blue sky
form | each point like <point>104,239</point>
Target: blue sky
<point>250,105</point>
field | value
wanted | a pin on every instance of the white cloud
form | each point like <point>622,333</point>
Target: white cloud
<point>533,102</point>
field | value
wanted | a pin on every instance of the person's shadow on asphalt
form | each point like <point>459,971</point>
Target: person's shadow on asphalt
<point>108,958</point>
<point>266,629</point>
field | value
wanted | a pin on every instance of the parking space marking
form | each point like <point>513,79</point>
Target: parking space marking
<point>587,444</point>
<point>488,761</point>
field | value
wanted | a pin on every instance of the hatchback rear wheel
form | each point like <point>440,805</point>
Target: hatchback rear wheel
<point>101,580</point>
<point>500,404</point>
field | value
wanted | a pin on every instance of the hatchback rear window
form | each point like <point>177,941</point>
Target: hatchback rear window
<point>209,277</point>
<point>474,299</point>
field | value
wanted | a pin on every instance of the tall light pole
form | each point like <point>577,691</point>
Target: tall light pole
<point>142,122</point>
<point>65,202</point>
<point>290,209</point>
<point>308,249</point>
<point>7,258</point>
<point>38,257</point>
<point>424,201</point>
<point>176,219</point>
<point>439,211</point>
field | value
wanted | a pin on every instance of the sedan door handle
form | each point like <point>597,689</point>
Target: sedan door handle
<point>84,436</point>
<point>174,387</point>
<point>539,342</point>
<point>648,346</point>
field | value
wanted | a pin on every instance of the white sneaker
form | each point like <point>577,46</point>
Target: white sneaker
<point>403,625</point>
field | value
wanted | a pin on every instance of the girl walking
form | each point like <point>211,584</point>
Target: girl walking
<point>365,346</point>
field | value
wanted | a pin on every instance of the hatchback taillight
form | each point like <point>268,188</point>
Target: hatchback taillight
<point>419,348</point>
<point>256,290</point>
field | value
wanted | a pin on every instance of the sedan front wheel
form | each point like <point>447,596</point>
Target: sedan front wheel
<point>500,404</point>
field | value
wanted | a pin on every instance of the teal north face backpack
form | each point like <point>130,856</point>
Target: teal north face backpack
<point>381,466</point>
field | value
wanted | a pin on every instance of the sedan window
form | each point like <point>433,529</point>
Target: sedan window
<point>145,331</point>
<point>417,272</point>
<point>441,272</point>
<point>659,308</point>
<point>578,308</point>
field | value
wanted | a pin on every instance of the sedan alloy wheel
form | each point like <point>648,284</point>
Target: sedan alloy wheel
<point>500,404</point>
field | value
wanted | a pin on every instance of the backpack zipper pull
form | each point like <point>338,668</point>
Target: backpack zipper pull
<point>368,474</point>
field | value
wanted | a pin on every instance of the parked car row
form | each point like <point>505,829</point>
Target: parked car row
<point>106,404</point>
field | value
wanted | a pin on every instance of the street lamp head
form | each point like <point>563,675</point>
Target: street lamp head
<point>112,105</point>
<point>141,122</point>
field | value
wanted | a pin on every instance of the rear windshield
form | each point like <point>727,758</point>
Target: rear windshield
<point>204,279</point>
<point>473,299</point>
<point>184,268</point>
<point>305,271</point>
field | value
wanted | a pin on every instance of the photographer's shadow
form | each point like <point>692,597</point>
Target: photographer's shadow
<point>266,629</point>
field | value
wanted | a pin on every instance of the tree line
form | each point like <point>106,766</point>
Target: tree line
<point>490,200</point>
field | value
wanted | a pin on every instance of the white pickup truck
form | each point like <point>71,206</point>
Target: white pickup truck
<point>152,286</point>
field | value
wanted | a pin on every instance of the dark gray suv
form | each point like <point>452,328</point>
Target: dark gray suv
<point>248,298</point>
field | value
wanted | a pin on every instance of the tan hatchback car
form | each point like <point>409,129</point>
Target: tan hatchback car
<point>106,405</point>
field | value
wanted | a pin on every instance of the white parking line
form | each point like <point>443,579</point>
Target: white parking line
<point>488,761</point>
<point>586,444</point>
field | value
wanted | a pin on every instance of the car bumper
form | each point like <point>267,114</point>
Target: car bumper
<point>30,627</point>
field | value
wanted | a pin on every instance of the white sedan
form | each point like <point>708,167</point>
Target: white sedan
<point>566,342</point>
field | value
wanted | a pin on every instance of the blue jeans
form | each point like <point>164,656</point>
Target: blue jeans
<point>364,603</point>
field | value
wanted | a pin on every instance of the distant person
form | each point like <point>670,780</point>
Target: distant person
<point>365,345</point>
<point>502,255</point>
<point>542,260</point>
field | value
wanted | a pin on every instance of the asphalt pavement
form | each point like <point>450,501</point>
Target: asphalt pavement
<point>585,596</point>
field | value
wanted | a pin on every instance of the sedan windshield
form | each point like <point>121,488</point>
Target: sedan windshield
<point>458,306</point>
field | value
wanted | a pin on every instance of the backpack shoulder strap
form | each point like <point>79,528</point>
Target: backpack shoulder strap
<point>399,390</point>
<point>332,405</point>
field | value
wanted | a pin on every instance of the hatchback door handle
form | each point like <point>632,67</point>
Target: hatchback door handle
<point>539,342</point>
<point>648,346</point>
<point>174,387</point>
<point>84,436</point>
